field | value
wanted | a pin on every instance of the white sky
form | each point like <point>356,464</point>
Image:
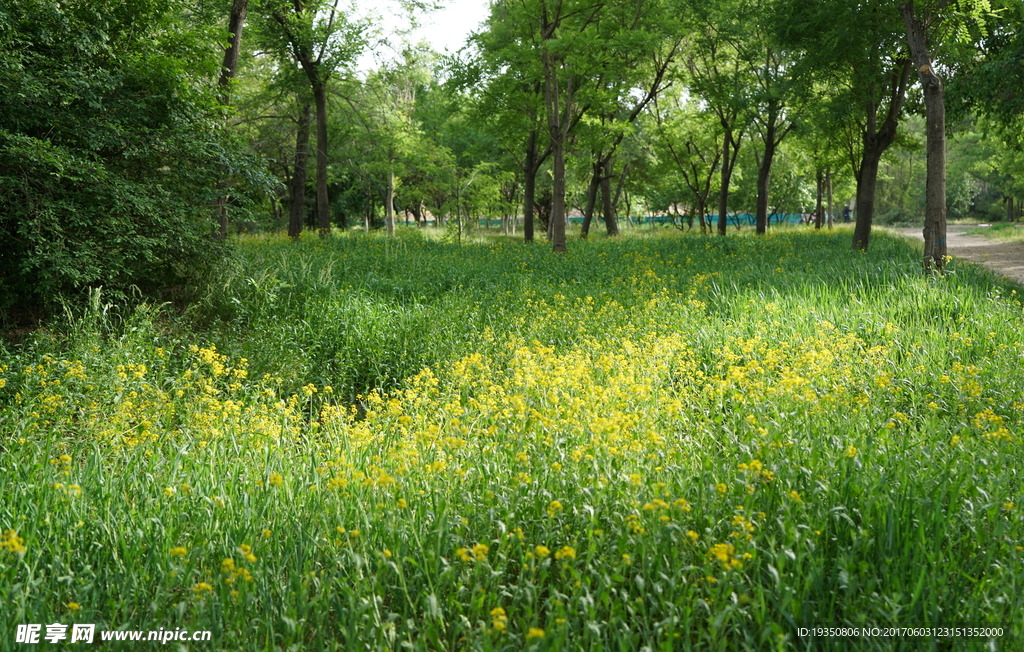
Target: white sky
<point>445,29</point>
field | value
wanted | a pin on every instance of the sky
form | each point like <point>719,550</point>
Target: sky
<point>444,29</point>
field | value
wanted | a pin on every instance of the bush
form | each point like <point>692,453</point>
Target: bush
<point>111,149</point>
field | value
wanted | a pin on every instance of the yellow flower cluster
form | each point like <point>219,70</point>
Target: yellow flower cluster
<point>11,542</point>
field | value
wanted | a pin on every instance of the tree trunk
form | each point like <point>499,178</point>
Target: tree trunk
<point>389,204</point>
<point>297,212</point>
<point>935,116</point>
<point>556,222</point>
<point>323,209</point>
<point>819,218</point>
<point>828,189</point>
<point>236,23</point>
<point>867,181</point>
<point>595,184</point>
<point>876,141</point>
<point>529,185</point>
<point>730,148</point>
<point>368,214</point>
<point>611,224</point>
<point>763,177</point>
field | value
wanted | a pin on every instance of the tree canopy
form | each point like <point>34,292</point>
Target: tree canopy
<point>131,135</point>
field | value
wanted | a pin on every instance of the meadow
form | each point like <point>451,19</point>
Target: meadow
<point>658,442</point>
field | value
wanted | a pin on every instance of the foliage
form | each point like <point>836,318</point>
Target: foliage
<point>111,148</point>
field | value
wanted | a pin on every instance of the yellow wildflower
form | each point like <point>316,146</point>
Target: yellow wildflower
<point>566,552</point>
<point>480,551</point>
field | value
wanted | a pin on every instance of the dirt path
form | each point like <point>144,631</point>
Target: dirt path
<point>1006,258</point>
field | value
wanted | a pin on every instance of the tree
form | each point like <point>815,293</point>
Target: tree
<point>720,77</point>
<point>111,147</point>
<point>684,139</point>
<point>322,41</point>
<point>923,21</point>
<point>857,53</point>
<point>641,41</point>
<point>935,120</point>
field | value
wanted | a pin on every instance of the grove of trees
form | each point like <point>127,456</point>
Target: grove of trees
<point>135,136</point>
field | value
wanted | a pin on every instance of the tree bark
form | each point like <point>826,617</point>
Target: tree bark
<point>935,117</point>
<point>556,222</point>
<point>828,189</point>
<point>323,209</point>
<point>297,212</point>
<point>867,180</point>
<point>592,189</point>
<point>529,185</point>
<point>730,149</point>
<point>608,202</point>
<point>819,216</point>
<point>236,23</point>
<point>389,204</point>
<point>763,176</point>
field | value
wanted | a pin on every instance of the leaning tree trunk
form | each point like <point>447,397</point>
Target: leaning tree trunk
<point>935,116</point>
<point>867,181</point>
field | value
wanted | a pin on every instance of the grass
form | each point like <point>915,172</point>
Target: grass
<point>1000,231</point>
<point>662,441</point>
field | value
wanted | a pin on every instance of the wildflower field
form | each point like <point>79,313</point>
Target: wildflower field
<point>666,442</point>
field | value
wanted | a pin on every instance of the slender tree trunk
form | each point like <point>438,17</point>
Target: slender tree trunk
<point>556,222</point>
<point>529,185</point>
<point>323,209</point>
<point>935,117</point>
<point>389,204</point>
<point>763,177</point>
<point>368,214</point>
<point>609,201</point>
<point>819,208</point>
<point>297,212</point>
<point>730,148</point>
<point>611,224</point>
<point>236,21</point>
<point>595,184</point>
<point>828,188</point>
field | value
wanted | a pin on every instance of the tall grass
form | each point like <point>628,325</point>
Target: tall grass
<point>666,442</point>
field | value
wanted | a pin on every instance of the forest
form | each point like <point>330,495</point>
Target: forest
<point>128,127</point>
<point>587,334</point>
